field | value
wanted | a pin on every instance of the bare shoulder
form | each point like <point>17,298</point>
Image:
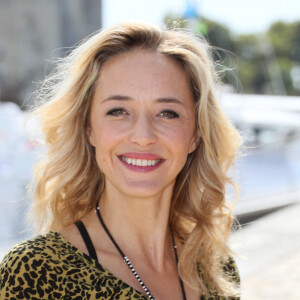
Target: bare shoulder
<point>69,232</point>
<point>72,235</point>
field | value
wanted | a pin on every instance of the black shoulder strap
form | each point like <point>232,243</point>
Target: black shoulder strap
<point>87,240</point>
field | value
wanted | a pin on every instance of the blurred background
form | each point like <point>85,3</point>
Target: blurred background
<point>257,41</point>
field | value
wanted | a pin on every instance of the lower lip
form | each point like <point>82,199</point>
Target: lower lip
<point>141,169</point>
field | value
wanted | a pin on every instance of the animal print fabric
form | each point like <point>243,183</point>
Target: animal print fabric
<point>49,267</point>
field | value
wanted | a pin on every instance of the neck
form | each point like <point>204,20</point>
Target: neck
<point>140,225</point>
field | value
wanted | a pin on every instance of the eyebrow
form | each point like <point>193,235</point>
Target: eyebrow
<point>127,98</point>
<point>117,98</point>
<point>170,100</point>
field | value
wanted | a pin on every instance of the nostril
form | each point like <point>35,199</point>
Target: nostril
<point>143,139</point>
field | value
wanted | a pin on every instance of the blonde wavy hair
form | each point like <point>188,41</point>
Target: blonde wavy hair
<point>69,183</point>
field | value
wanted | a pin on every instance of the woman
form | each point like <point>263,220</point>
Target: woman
<point>131,193</point>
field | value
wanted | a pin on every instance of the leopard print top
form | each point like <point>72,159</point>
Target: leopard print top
<point>49,267</point>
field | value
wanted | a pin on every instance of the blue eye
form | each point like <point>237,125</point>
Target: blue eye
<point>169,114</point>
<point>117,111</point>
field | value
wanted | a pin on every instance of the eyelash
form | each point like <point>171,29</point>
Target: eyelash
<point>173,113</point>
<point>114,111</point>
<point>119,111</point>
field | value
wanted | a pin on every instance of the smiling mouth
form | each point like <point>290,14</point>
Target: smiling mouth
<point>141,162</point>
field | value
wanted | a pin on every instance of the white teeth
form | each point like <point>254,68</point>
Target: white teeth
<point>140,162</point>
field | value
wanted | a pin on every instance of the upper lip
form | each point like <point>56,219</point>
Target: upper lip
<point>139,155</point>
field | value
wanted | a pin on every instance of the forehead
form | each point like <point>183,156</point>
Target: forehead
<point>140,72</point>
<point>143,58</point>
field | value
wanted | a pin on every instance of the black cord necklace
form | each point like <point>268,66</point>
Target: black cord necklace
<point>127,261</point>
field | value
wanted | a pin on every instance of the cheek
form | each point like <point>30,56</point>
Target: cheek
<point>101,140</point>
<point>100,158</point>
<point>106,141</point>
<point>181,137</point>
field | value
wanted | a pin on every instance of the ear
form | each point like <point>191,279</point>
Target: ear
<point>194,142</point>
<point>90,135</point>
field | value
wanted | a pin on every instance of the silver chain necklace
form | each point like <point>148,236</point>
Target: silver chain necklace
<point>129,264</point>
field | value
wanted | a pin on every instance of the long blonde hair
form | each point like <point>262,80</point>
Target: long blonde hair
<point>69,182</point>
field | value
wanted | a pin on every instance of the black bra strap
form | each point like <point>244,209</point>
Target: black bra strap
<point>87,240</point>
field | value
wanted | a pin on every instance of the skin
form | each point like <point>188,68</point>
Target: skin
<point>142,104</point>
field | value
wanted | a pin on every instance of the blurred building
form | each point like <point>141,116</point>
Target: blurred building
<point>32,33</point>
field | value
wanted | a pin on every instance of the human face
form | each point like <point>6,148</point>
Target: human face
<point>142,122</point>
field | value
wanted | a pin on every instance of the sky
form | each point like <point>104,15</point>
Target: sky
<point>241,16</point>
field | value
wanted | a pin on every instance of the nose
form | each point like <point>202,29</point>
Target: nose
<point>143,131</point>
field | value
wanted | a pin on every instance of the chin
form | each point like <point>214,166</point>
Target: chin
<point>145,189</point>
